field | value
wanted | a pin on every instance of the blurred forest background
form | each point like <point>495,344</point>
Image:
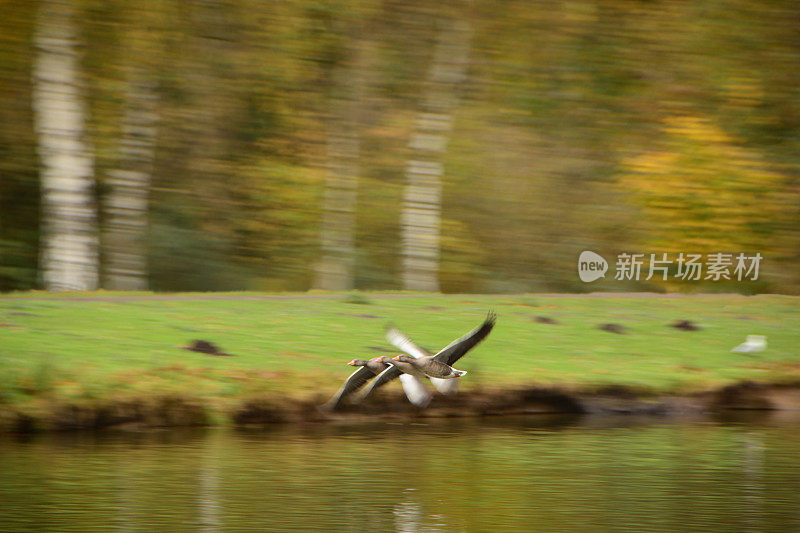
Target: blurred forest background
<point>461,146</point>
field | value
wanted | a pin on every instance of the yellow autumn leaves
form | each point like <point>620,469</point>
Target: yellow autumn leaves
<point>702,190</point>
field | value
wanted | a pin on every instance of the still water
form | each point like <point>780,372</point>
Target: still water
<point>503,474</point>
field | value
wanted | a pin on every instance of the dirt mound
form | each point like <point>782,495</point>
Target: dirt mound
<point>205,347</point>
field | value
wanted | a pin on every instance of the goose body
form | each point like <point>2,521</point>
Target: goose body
<point>429,366</point>
<point>404,366</point>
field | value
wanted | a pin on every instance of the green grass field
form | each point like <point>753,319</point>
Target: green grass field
<point>89,346</point>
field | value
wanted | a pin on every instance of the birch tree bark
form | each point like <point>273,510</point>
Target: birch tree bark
<point>420,220</point>
<point>69,241</point>
<point>335,269</point>
<point>126,204</point>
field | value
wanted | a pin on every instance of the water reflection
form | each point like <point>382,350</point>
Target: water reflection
<point>502,474</point>
<point>753,480</point>
<point>208,493</point>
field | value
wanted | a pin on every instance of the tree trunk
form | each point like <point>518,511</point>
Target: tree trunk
<point>335,270</point>
<point>69,255</point>
<point>422,198</point>
<point>126,205</point>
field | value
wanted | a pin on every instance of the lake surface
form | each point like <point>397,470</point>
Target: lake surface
<point>502,474</point>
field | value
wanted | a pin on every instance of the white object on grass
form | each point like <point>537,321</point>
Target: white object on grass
<point>752,344</point>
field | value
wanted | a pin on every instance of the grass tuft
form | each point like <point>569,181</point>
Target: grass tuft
<point>356,297</point>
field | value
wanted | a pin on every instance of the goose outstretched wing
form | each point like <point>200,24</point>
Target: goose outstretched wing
<point>415,391</point>
<point>383,378</point>
<point>403,342</point>
<point>456,349</point>
<point>355,381</point>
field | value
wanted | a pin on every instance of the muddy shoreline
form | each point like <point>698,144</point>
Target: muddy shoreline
<point>175,411</point>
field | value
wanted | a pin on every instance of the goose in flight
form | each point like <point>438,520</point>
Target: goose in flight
<point>447,356</point>
<point>415,391</point>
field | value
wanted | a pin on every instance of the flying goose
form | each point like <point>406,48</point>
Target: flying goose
<point>447,355</point>
<point>414,389</point>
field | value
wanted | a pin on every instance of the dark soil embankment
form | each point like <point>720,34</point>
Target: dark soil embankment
<point>602,401</point>
<point>167,411</point>
<point>173,411</point>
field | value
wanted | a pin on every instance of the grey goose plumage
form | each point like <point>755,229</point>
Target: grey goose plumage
<point>413,387</point>
<point>428,366</point>
<point>447,355</point>
<point>356,380</point>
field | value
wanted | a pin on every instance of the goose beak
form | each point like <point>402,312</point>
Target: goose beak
<point>395,358</point>
<point>352,363</point>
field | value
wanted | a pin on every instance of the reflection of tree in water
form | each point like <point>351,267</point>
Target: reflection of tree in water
<point>409,516</point>
<point>208,508</point>
<point>753,481</point>
<point>126,487</point>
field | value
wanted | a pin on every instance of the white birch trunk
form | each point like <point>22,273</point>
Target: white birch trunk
<point>422,198</point>
<point>69,255</point>
<point>126,205</point>
<point>335,270</point>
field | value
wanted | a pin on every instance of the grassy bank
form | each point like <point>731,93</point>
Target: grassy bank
<point>72,350</point>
